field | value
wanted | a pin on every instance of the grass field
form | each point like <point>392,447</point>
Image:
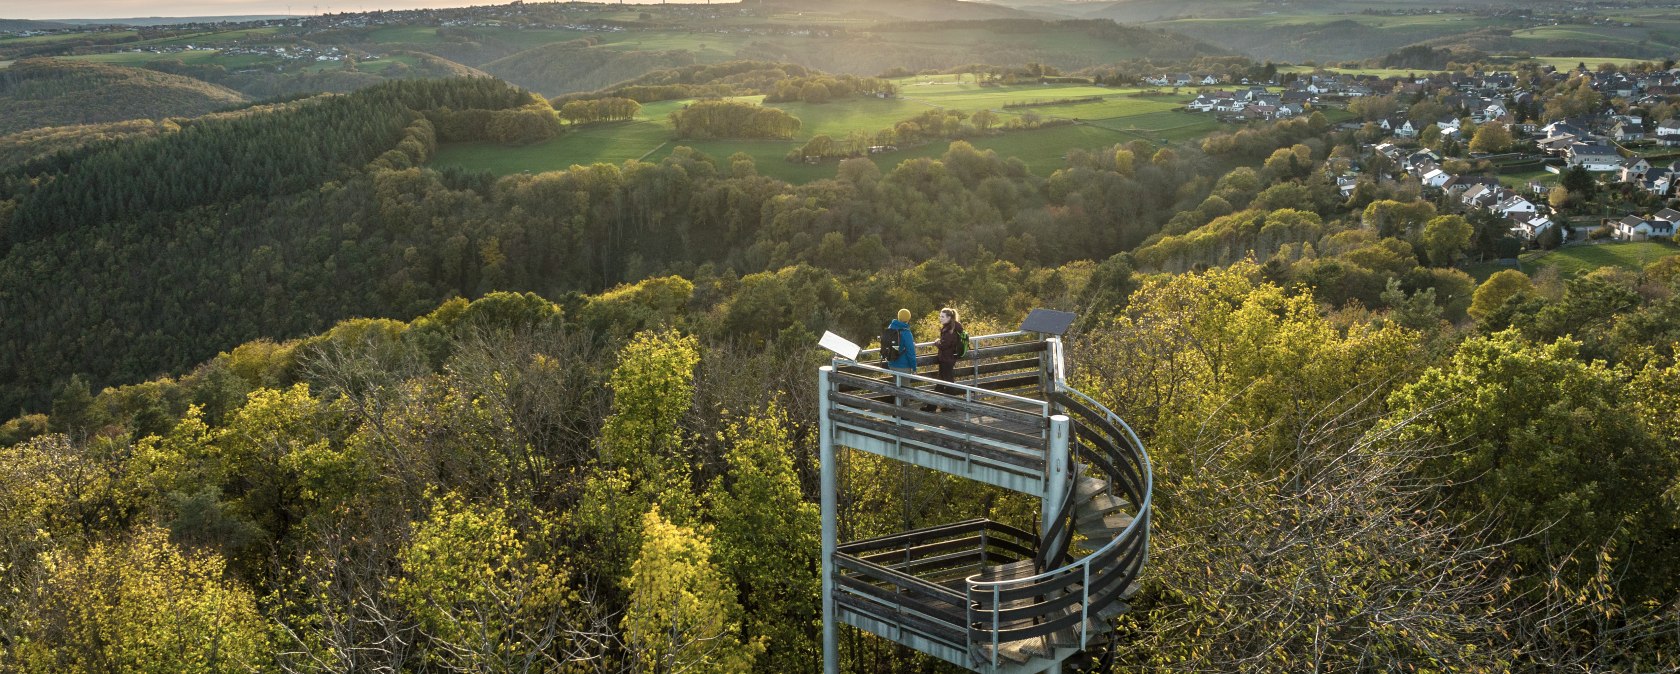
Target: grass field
<point>1117,119</point>
<point>1567,62</point>
<point>214,37</point>
<point>1574,260</point>
<point>126,58</point>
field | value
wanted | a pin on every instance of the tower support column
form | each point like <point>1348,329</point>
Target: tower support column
<point>830,524</point>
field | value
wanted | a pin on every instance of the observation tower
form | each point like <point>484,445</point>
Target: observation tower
<point>981,594</point>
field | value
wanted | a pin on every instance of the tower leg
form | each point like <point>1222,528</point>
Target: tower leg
<point>830,626</point>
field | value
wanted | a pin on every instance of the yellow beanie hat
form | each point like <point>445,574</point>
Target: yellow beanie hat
<point>904,315</point>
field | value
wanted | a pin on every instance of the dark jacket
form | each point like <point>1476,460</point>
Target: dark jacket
<point>949,342</point>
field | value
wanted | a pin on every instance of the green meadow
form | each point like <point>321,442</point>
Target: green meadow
<point>126,58</point>
<point>1567,62</point>
<point>1574,260</point>
<point>1117,119</point>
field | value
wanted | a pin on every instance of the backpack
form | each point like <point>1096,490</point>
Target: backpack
<point>962,343</point>
<point>890,339</point>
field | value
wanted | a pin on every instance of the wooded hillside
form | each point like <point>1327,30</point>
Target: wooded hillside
<point>47,92</point>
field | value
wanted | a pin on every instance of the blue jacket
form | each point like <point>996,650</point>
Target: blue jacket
<point>907,346</point>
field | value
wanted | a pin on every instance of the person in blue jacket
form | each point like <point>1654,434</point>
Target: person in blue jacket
<point>906,360</point>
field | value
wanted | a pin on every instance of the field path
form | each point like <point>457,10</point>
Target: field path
<point>649,152</point>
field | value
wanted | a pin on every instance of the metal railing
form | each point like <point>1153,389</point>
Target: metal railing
<point>1065,598</point>
<point>998,405</point>
<point>1008,428</point>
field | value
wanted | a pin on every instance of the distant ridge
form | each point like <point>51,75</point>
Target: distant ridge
<point>26,24</point>
<point>169,20</point>
<point>915,10</point>
<point>36,93</point>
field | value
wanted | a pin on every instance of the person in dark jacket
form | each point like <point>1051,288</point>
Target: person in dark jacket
<point>949,343</point>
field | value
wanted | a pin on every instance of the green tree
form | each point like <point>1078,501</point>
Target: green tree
<point>682,614</point>
<point>1491,138</point>
<point>1493,293</point>
<point>766,538</point>
<point>1444,238</point>
<point>1397,218</point>
<point>1549,442</point>
<point>478,589</point>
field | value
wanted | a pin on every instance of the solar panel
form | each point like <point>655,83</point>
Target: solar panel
<point>1048,321</point>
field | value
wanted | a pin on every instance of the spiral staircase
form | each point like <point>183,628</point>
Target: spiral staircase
<point>981,594</point>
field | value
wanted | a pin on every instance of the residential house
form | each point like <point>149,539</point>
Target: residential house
<point>1668,131</point>
<point>1481,196</point>
<point>1636,228</point>
<point>1210,79</point>
<point>1181,80</point>
<point>1627,129</point>
<point>1399,127</point>
<point>1514,205</point>
<point>1421,161</point>
<point>1564,128</point>
<point>1345,185</point>
<point>1557,146</point>
<point>1435,178</point>
<point>1529,228</point>
<point>1448,124</point>
<point>1633,169</point>
<point>1661,181</point>
<point>1594,157</point>
<point>1458,185</point>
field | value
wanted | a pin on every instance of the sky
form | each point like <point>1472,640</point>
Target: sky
<point>115,9</point>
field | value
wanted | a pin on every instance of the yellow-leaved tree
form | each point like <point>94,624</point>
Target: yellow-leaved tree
<point>767,538</point>
<point>483,595</point>
<point>682,615</point>
<point>144,605</point>
<point>644,457</point>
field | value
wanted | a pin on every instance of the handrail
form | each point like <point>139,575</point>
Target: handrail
<point>972,340</point>
<point>981,590</point>
<point>1041,404</point>
<point>1051,600</point>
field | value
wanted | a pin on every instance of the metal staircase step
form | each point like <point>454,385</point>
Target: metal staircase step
<point>1087,521</point>
<point>1011,653</point>
<point>1104,503</point>
<point>1088,487</point>
<point>1106,528</point>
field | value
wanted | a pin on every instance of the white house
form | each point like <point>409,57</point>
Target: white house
<point>1515,206</point>
<point>1436,178</point>
<point>1668,131</point>
<point>1530,228</point>
<point>1594,157</point>
<point>1635,228</point>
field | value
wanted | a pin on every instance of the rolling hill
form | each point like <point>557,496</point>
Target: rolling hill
<point>566,67</point>
<point>36,93</point>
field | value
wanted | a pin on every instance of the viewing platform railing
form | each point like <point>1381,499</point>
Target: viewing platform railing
<point>976,587</point>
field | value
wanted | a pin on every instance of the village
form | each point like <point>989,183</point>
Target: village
<point>1603,168</point>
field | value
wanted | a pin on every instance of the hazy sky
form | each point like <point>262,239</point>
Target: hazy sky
<point>112,9</point>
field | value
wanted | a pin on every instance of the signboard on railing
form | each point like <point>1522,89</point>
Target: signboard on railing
<point>841,346</point>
